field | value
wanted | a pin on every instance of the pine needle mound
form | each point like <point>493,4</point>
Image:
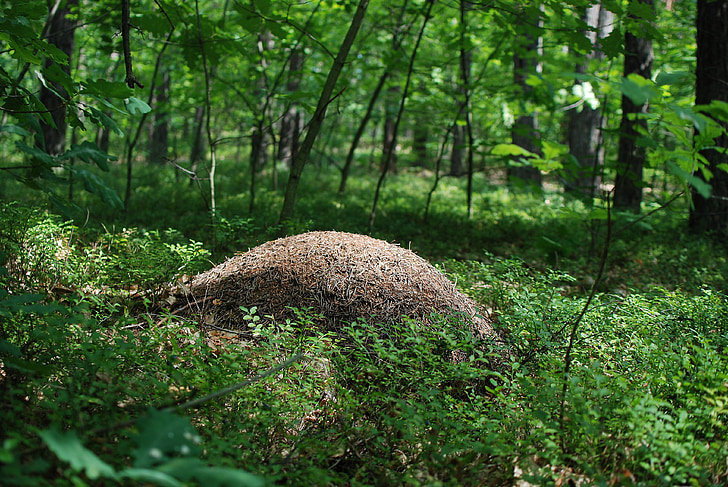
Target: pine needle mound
<point>341,277</point>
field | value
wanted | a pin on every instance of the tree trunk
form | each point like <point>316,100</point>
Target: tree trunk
<point>291,123</point>
<point>457,155</point>
<point>638,59</point>
<point>159,128</point>
<point>585,122</point>
<point>198,143</point>
<point>710,215</point>
<point>317,121</point>
<point>389,152</point>
<point>526,60</point>
<point>60,33</point>
<point>360,131</point>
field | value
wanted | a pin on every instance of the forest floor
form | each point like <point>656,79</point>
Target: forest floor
<point>613,380</point>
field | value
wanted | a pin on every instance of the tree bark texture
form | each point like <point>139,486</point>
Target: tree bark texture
<point>710,215</point>
<point>526,61</point>
<point>60,33</point>
<point>638,59</point>
<point>585,122</point>
<point>292,121</point>
<point>159,128</point>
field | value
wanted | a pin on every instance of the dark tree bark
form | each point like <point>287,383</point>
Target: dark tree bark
<point>585,122</point>
<point>292,121</point>
<point>710,215</point>
<point>389,152</point>
<point>198,142</point>
<point>457,155</point>
<point>420,137</point>
<point>60,33</point>
<point>526,60</point>
<point>159,128</point>
<point>638,59</point>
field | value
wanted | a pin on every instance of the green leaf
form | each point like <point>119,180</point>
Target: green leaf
<point>263,6</point>
<point>700,186</point>
<point>106,89</point>
<point>89,152</point>
<point>510,150</point>
<point>68,448</point>
<point>14,129</point>
<point>94,184</point>
<point>687,114</point>
<point>38,154</point>
<point>100,118</point>
<point>135,105</point>
<point>666,79</point>
<point>149,475</point>
<point>638,89</point>
<point>163,435</point>
<point>187,469</point>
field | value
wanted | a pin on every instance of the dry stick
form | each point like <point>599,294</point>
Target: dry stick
<point>575,326</point>
<point>402,102</point>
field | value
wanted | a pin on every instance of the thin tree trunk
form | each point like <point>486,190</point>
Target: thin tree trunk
<point>465,63</point>
<point>585,122</point>
<point>360,131</point>
<point>526,60</point>
<point>289,201</point>
<point>159,128</point>
<point>60,33</point>
<point>710,215</point>
<point>410,70</point>
<point>291,121</point>
<point>638,59</point>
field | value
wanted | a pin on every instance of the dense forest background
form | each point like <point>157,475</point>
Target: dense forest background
<point>563,162</point>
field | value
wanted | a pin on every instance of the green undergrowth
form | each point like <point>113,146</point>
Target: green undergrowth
<point>103,386</point>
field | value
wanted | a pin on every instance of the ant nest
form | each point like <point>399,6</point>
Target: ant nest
<point>337,278</point>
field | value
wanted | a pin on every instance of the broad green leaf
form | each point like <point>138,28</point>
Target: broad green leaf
<point>664,78</point>
<point>717,109</point>
<point>553,150</point>
<point>38,154</point>
<point>163,435</point>
<point>14,129</point>
<point>510,150</point>
<point>154,23</point>
<point>68,448</point>
<point>263,6</point>
<point>55,74</point>
<point>89,152</point>
<point>100,118</point>
<point>687,114</point>
<point>27,366</point>
<point>135,105</point>
<point>144,475</point>
<point>94,184</point>
<point>106,89</point>
<point>700,186</point>
<point>188,469</point>
<point>638,89</point>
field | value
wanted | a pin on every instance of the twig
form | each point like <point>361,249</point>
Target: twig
<point>131,80</point>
